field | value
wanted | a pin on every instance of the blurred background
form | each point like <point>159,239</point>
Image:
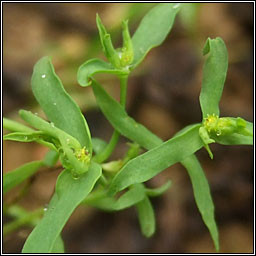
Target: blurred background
<point>162,94</point>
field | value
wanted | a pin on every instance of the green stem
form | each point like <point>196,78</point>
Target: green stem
<point>123,90</point>
<point>105,154</point>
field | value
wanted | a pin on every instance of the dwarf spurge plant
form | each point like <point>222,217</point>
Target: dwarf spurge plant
<point>88,178</point>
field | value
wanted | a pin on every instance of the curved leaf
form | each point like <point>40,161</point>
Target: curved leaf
<point>152,192</point>
<point>20,174</point>
<point>149,164</point>
<point>202,195</point>
<point>121,121</point>
<point>134,195</point>
<point>57,104</point>
<point>94,66</point>
<point>36,136</point>
<point>146,217</point>
<point>68,195</point>
<point>153,29</point>
<point>214,76</point>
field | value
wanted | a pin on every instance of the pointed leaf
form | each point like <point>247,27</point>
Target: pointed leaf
<point>152,192</point>
<point>153,29</point>
<point>214,76</point>
<point>202,195</point>
<point>68,195</point>
<point>57,104</point>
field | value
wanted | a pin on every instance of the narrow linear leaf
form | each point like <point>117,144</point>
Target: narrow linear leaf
<point>202,195</point>
<point>234,139</point>
<point>51,158</point>
<point>20,174</point>
<point>58,246</point>
<point>153,192</point>
<point>14,126</point>
<point>94,66</point>
<point>214,76</point>
<point>146,217</point>
<point>119,119</point>
<point>36,136</point>
<point>149,164</point>
<point>24,136</point>
<point>153,29</point>
<point>57,104</point>
<point>68,195</point>
<point>134,195</point>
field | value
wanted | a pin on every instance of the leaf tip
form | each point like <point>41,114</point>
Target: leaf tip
<point>207,46</point>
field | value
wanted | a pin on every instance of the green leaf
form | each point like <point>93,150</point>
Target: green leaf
<point>70,147</point>
<point>20,174</point>
<point>153,29</point>
<point>57,104</point>
<point>58,246</point>
<point>36,136</point>
<point>106,42</point>
<point>236,138</point>
<point>51,158</point>
<point>98,145</point>
<point>24,136</point>
<point>100,200</point>
<point>153,192</point>
<point>214,76</point>
<point>94,66</point>
<point>14,126</point>
<point>188,16</point>
<point>202,195</point>
<point>149,164</point>
<point>68,195</point>
<point>119,119</point>
<point>146,217</point>
<point>48,128</point>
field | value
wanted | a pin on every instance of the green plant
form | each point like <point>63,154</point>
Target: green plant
<point>87,178</point>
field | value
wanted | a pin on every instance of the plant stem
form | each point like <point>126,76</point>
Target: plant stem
<point>105,154</point>
<point>123,90</point>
